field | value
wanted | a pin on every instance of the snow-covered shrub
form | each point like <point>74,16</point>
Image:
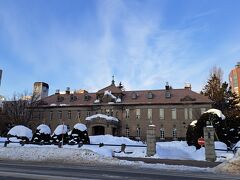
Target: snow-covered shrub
<point>195,129</point>
<point>79,134</point>
<point>20,132</point>
<point>42,134</point>
<point>59,134</point>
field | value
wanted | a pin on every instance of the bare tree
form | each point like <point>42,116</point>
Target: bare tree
<point>218,72</point>
<point>21,107</point>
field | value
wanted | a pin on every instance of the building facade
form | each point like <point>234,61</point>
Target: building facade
<point>234,79</point>
<point>112,110</point>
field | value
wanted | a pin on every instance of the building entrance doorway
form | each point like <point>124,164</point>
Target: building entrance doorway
<point>98,130</point>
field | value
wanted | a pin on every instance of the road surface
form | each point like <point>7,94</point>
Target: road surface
<point>16,170</point>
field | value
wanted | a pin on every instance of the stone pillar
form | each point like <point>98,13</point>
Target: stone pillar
<point>210,154</point>
<point>151,140</point>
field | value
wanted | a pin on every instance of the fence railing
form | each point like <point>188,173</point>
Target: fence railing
<point>123,146</point>
<point>61,144</point>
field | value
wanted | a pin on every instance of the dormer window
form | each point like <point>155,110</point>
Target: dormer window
<point>150,95</point>
<point>60,98</point>
<point>73,98</point>
<point>86,97</point>
<point>134,95</point>
<point>167,94</point>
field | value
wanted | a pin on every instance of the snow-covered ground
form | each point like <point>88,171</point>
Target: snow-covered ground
<point>95,154</point>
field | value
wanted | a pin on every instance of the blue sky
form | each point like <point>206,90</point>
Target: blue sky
<point>144,44</point>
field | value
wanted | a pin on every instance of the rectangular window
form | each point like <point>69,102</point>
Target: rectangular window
<point>69,115</point>
<point>108,112</point>
<point>174,133</point>
<point>137,113</point>
<point>88,113</point>
<point>59,114</point>
<point>235,80</point>
<point>127,132</point>
<point>174,113</point>
<point>78,114</point>
<point>150,114</point>
<point>162,133</point>
<point>127,113</point>
<point>39,115</point>
<point>161,113</point>
<point>138,132</point>
<point>51,116</point>
<point>203,110</point>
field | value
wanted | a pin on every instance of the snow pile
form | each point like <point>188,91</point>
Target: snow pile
<point>179,150</point>
<point>61,129</point>
<point>44,129</point>
<point>193,123</point>
<point>237,145</point>
<point>109,93</point>
<point>217,112</point>
<point>109,118</point>
<point>109,139</point>
<point>118,100</point>
<point>80,126</point>
<point>53,153</point>
<point>230,166</point>
<point>21,132</point>
<point>97,101</point>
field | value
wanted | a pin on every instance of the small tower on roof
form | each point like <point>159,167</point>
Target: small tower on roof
<point>113,82</point>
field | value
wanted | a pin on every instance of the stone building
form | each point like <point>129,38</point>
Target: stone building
<point>112,110</point>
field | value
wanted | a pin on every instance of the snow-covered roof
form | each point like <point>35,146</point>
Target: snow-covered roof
<point>61,129</point>
<point>43,128</point>
<point>97,101</point>
<point>21,131</point>
<point>217,112</point>
<point>80,126</point>
<point>193,123</point>
<point>110,118</point>
<point>109,93</point>
<point>118,100</point>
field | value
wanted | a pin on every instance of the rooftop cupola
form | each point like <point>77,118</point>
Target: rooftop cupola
<point>113,82</point>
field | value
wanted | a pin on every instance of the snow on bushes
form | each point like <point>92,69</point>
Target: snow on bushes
<point>42,134</point>
<point>20,132</point>
<point>195,129</point>
<point>79,134</point>
<point>59,134</point>
<point>217,112</point>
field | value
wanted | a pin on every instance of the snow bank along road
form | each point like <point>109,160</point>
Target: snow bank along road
<point>40,170</point>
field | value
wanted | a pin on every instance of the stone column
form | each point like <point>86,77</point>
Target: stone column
<point>151,140</point>
<point>210,154</point>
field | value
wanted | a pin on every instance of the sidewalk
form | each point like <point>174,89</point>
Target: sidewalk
<point>203,164</point>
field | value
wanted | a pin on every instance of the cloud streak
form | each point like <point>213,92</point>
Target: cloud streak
<point>128,40</point>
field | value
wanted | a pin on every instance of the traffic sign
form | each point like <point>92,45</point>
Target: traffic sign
<point>201,141</point>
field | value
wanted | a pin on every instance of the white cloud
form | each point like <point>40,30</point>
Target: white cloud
<point>130,43</point>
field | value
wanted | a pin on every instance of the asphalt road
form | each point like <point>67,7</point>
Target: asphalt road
<point>31,170</point>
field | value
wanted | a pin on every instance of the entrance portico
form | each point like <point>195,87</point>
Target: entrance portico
<point>100,124</point>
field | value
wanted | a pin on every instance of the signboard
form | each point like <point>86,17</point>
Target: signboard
<point>201,141</point>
